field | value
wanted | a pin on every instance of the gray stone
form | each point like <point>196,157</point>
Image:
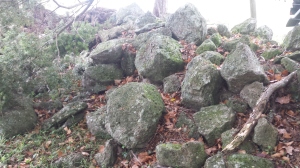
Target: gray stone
<point>292,39</point>
<point>97,78</point>
<point>237,104</point>
<point>150,27</point>
<point>216,38</point>
<point>71,160</point>
<point>246,27</point>
<point>201,84</point>
<point>265,134</point>
<point>131,12</point>
<point>108,156</point>
<point>159,58</point>
<point>290,64</point>
<point>133,112</point>
<point>145,19</point>
<point>231,45</point>
<point>171,84</point>
<point>64,114</point>
<point>213,56</point>
<point>252,92</point>
<point>96,123</point>
<point>207,45</point>
<point>188,155</point>
<point>73,120</point>
<point>215,161</point>
<point>188,24</point>
<point>242,67</point>
<point>264,32</point>
<point>187,125</point>
<point>293,89</point>
<point>127,62</point>
<point>247,161</point>
<point>212,121</point>
<point>223,30</point>
<point>114,32</point>
<point>271,53</point>
<point>50,105</point>
<point>211,31</point>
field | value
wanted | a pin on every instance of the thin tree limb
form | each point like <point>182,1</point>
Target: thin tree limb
<point>71,7</point>
<point>256,113</point>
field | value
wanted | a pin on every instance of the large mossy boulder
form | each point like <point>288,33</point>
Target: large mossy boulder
<point>201,84</point>
<point>145,19</point>
<point>108,156</point>
<point>292,39</point>
<point>223,30</point>
<point>248,161</point>
<point>242,67</point>
<point>264,32</point>
<point>214,57</point>
<point>215,161</point>
<point>207,45</point>
<point>159,58</point>
<point>188,155</point>
<point>252,92</point>
<point>246,27</point>
<point>133,112</point>
<point>212,121</point>
<point>188,24</point>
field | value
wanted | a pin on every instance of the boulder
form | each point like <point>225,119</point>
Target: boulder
<point>145,19</point>
<point>201,84</point>
<point>237,104</point>
<point>215,161</point>
<point>216,38</point>
<point>242,67</point>
<point>213,56</point>
<point>127,62</point>
<point>292,39</point>
<point>71,160</point>
<point>159,58</point>
<point>265,135</point>
<point>264,32</point>
<point>246,27</point>
<point>196,30</point>
<point>133,112</point>
<point>187,125</point>
<point>211,31</point>
<point>188,155</point>
<point>131,12</point>
<point>149,27</point>
<point>290,64</point>
<point>252,92</point>
<point>171,84</point>
<point>231,44</point>
<point>247,161</point>
<point>114,32</point>
<point>271,53</point>
<point>108,156</point>
<point>96,123</point>
<point>223,30</point>
<point>212,121</point>
<point>207,45</point>
<point>97,78</point>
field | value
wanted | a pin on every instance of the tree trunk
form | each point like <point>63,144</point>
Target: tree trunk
<point>160,8</point>
<point>253,8</point>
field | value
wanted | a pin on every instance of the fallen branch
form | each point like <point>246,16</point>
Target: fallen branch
<point>256,113</point>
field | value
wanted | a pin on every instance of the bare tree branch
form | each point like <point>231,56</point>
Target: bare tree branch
<point>71,7</point>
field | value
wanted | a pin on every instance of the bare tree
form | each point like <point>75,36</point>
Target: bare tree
<point>160,8</point>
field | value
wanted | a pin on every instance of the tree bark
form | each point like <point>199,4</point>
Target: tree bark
<point>253,9</point>
<point>160,8</point>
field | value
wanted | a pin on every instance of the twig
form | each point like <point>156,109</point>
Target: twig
<point>136,158</point>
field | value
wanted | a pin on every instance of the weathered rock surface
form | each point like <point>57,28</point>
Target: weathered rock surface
<point>265,134</point>
<point>231,44</point>
<point>188,155</point>
<point>207,45</point>
<point>247,27</point>
<point>109,155</point>
<point>159,58</point>
<point>71,160</point>
<point>213,57</point>
<point>264,32</point>
<point>131,12</point>
<point>290,64</point>
<point>133,112</point>
<point>114,32</point>
<point>223,30</point>
<point>212,121</point>
<point>271,53</point>
<point>187,125</point>
<point>292,39</point>
<point>242,67</point>
<point>252,92</point>
<point>188,15</point>
<point>216,38</point>
<point>247,161</point>
<point>96,123</point>
<point>201,84</point>
<point>145,19</point>
<point>215,161</point>
<point>171,84</point>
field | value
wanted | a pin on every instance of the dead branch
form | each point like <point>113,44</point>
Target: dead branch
<point>256,113</point>
<point>71,7</point>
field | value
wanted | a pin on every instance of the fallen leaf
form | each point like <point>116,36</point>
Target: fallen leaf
<point>144,157</point>
<point>284,73</point>
<point>47,144</point>
<point>284,99</point>
<point>85,153</point>
<point>101,148</point>
<point>68,130</point>
<point>286,159</point>
<point>289,149</point>
<point>276,155</point>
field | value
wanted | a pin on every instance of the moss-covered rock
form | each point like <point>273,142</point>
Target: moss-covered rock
<point>216,38</point>
<point>271,53</point>
<point>245,27</point>
<point>247,161</point>
<point>207,45</point>
<point>292,39</point>
<point>289,64</point>
<point>213,57</point>
<point>265,134</point>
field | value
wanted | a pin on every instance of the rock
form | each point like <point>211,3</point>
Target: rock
<point>247,27</point>
<point>187,125</point>
<point>264,32</point>
<point>247,161</point>
<point>231,45</point>
<point>212,121</point>
<point>292,39</point>
<point>96,123</point>
<point>213,57</point>
<point>207,45</point>
<point>144,20</point>
<point>150,27</point>
<point>292,88</point>
<point>211,31</point>
<point>50,105</point>
<point>71,160</point>
<point>171,84</point>
<point>114,32</point>
<point>108,156</point>
<point>109,52</point>
<point>265,134</point>
<point>18,119</point>
<point>254,47</point>
<point>75,119</point>
<point>196,30</point>
<point>290,64</point>
<point>142,38</point>
<point>201,84</point>
<point>242,67</point>
<point>97,78</point>
<point>133,112</point>
<point>127,62</point>
<point>159,58</point>
<point>130,12</point>
<point>216,38</point>
<point>271,53</point>
<point>223,30</point>
<point>237,104</point>
<point>252,92</point>
<point>188,155</point>
<point>215,161</point>
<point>294,56</point>
<point>64,114</point>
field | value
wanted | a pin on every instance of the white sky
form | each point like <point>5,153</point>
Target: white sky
<point>273,13</point>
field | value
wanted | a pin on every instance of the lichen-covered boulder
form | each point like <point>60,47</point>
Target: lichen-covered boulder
<point>159,58</point>
<point>265,134</point>
<point>231,44</point>
<point>213,56</point>
<point>216,38</point>
<point>188,155</point>
<point>252,92</point>
<point>207,45</point>
<point>130,12</point>
<point>271,53</point>
<point>215,161</point>
<point>171,84</point>
<point>242,67</point>
<point>290,64</point>
<point>292,39</point>
<point>237,104</point>
<point>223,30</point>
<point>71,160</point>
<point>211,30</point>
<point>188,24</point>
<point>97,78</point>
<point>264,32</point>
<point>187,125</point>
<point>114,32</point>
<point>246,27</point>
<point>201,84</point>
<point>96,123</point>
<point>108,156</point>
<point>133,112</point>
<point>212,121</point>
<point>127,62</point>
<point>145,19</point>
<point>247,161</point>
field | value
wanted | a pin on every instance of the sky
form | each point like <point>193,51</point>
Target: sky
<point>273,13</point>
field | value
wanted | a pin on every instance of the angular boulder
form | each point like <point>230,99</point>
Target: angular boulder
<point>144,20</point>
<point>252,92</point>
<point>247,161</point>
<point>96,123</point>
<point>213,56</point>
<point>201,84</point>
<point>215,161</point>
<point>265,134</point>
<point>71,160</point>
<point>264,32</point>
<point>242,67</point>
<point>188,155</point>
<point>133,112</point>
<point>292,39</point>
<point>247,27</point>
<point>271,53</point>
<point>196,30</point>
<point>171,84</point>
<point>109,155</point>
<point>223,30</point>
<point>207,45</point>
<point>212,121</point>
<point>130,12</point>
<point>159,58</point>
